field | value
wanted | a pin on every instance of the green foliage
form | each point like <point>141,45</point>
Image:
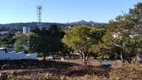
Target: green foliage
<point>65,50</point>
<point>21,42</point>
<point>18,46</point>
<point>6,40</point>
<point>4,44</point>
<point>46,41</point>
<point>125,33</point>
<point>81,38</point>
<point>33,43</point>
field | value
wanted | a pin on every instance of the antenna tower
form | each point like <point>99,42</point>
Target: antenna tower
<point>39,7</point>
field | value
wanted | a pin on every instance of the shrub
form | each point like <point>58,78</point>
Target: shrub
<point>129,72</point>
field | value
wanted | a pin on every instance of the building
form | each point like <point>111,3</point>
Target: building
<point>26,30</point>
<point>29,30</point>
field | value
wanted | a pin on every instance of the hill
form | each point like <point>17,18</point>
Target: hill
<point>33,25</point>
<point>90,23</point>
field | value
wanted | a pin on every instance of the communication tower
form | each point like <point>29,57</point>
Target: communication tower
<point>39,8</point>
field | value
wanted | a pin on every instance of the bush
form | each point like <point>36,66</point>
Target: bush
<point>129,72</point>
<point>88,70</point>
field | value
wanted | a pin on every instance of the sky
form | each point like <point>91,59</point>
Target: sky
<point>63,11</point>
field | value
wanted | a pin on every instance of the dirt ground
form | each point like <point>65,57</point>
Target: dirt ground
<point>95,62</point>
<point>77,61</point>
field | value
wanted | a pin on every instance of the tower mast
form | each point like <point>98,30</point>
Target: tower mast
<point>39,7</point>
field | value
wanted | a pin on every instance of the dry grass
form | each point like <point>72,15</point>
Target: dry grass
<point>127,72</point>
<point>48,76</point>
<point>66,71</point>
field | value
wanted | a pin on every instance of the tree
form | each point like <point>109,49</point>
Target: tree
<point>65,50</point>
<point>34,43</point>
<point>5,44</point>
<point>125,33</point>
<point>46,41</point>
<point>6,40</point>
<point>21,42</point>
<point>81,38</point>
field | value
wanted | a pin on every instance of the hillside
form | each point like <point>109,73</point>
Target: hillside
<point>33,25</point>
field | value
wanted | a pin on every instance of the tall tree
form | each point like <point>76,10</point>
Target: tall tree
<point>46,41</point>
<point>81,38</point>
<point>125,32</point>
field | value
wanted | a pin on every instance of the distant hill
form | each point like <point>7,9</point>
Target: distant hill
<point>33,25</point>
<point>90,23</point>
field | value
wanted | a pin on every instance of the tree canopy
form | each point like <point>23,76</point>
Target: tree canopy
<point>81,38</point>
<point>125,33</point>
<point>21,42</point>
<point>46,41</point>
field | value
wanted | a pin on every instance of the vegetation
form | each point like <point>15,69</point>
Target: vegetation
<point>124,34</point>
<point>46,41</point>
<point>6,40</point>
<point>81,38</point>
<point>121,39</point>
<point>49,70</point>
<point>33,25</point>
<point>21,42</point>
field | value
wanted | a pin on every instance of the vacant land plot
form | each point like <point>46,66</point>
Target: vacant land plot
<point>67,70</point>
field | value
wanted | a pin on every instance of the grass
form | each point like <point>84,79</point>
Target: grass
<point>51,70</point>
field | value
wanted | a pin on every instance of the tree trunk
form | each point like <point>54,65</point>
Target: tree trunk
<point>123,52</point>
<point>85,59</point>
<point>122,57</point>
<point>84,56</point>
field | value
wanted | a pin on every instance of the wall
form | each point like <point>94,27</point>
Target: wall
<point>16,56</point>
